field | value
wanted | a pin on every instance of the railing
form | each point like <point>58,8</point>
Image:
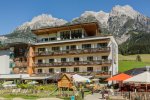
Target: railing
<point>76,51</point>
<point>19,40</point>
<point>97,62</point>
<point>85,37</point>
<point>21,64</point>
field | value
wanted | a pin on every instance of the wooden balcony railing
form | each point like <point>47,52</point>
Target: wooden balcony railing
<point>79,63</point>
<point>76,51</point>
<point>21,64</point>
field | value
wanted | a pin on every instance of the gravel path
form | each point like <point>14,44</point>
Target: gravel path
<point>95,96</point>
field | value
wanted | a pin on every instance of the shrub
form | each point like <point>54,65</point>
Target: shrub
<point>138,58</point>
<point>25,86</point>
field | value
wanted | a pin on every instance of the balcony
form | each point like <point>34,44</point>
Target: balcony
<point>76,51</point>
<point>21,64</point>
<point>25,40</point>
<point>79,63</point>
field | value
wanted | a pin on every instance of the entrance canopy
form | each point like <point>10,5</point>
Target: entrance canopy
<point>140,78</point>
<point>13,76</point>
<point>119,77</point>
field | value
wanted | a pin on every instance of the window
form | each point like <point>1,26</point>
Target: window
<point>63,59</point>
<point>76,69</point>
<point>51,60</point>
<point>86,46</point>
<point>51,70</point>
<point>63,69</point>
<point>45,40</point>
<point>55,48</point>
<point>89,69</point>
<point>105,68</point>
<point>52,39</point>
<point>100,45</point>
<point>73,47</point>
<point>67,47</point>
<point>11,55</point>
<point>39,70</point>
<point>76,34</point>
<point>76,59</point>
<point>90,58</point>
<point>40,61</point>
<point>41,49</point>
<point>105,57</point>
<point>65,35</point>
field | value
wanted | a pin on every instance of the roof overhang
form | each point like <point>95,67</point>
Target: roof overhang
<point>88,27</point>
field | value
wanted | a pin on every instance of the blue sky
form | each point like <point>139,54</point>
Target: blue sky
<point>15,12</point>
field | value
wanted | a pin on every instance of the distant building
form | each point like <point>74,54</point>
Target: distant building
<point>18,50</point>
<point>73,48</point>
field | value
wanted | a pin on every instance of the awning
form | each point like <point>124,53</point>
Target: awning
<point>119,77</point>
<point>36,78</point>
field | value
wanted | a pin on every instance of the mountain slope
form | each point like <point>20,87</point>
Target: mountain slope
<point>40,21</point>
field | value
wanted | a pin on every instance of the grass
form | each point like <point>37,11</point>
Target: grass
<point>127,65</point>
<point>144,57</point>
<point>129,62</point>
<point>10,96</point>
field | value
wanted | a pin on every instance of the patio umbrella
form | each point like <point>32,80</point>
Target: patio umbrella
<point>78,78</point>
<point>7,83</point>
<point>143,78</point>
<point>33,82</point>
<point>119,77</point>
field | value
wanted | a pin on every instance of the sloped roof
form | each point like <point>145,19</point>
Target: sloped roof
<point>135,71</point>
<point>69,76</point>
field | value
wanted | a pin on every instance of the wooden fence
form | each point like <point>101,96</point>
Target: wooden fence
<point>134,95</point>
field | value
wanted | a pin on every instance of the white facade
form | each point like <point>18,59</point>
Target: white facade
<point>5,62</point>
<point>113,55</point>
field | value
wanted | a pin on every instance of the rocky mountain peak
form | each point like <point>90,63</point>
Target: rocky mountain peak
<point>101,16</point>
<point>124,10</point>
<point>40,21</point>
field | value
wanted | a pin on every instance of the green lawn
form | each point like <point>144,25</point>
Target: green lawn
<point>129,62</point>
<point>126,65</point>
<point>144,57</point>
<point>10,96</point>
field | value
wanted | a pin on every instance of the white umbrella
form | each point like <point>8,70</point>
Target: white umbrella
<point>140,78</point>
<point>33,82</point>
<point>9,84</point>
<point>78,78</point>
<point>143,78</point>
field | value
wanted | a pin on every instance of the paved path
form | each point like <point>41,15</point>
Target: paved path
<point>95,96</point>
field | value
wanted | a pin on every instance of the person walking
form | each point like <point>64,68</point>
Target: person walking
<point>82,93</point>
<point>103,93</point>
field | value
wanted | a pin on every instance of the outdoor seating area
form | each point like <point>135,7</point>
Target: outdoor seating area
<point>67,85</point>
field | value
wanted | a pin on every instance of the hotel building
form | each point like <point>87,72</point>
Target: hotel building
<point>73,48</point>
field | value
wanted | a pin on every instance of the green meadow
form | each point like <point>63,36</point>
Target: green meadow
<point>129,62</point>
